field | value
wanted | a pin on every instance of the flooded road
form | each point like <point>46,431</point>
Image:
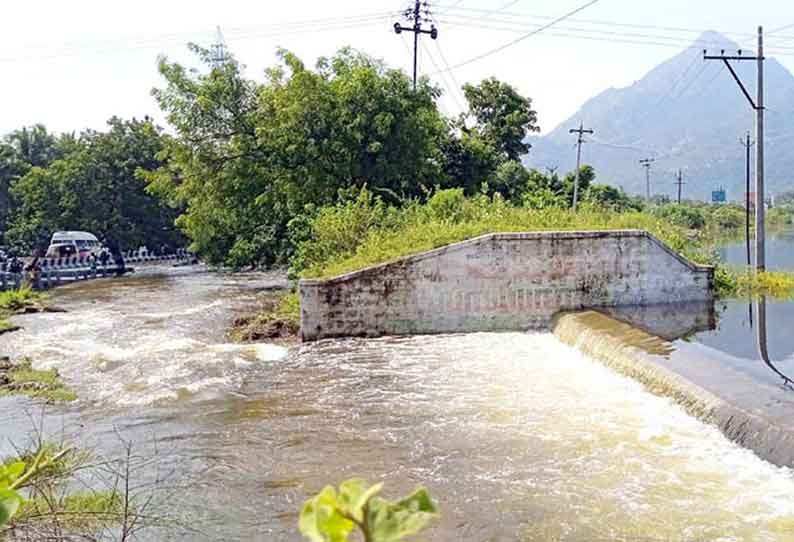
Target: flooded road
<point>517,436</point>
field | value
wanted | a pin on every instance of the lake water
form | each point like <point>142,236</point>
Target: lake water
<point>736,332</point>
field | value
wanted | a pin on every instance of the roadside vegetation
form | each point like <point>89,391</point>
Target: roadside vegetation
<point>22,379</point>
<point>56,492</point>
<point>24,300</point>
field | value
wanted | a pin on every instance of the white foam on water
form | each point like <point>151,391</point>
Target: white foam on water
<point>535,417</point>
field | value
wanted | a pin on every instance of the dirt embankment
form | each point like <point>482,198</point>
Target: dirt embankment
<point>268,319</point>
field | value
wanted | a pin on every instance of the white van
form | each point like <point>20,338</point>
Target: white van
<point>65,244</point>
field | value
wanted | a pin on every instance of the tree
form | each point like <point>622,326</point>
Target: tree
<point>468,162</point>
<point>511,180</point>
<point>248,157</point>
<point>503,118</point>
<point>19,152</point>
<point>95,187</point>
<point>586,176</point>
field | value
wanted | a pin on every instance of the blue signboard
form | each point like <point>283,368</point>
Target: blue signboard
<point>718,196</point>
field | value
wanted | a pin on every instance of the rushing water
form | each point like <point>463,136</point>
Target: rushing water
<point>517,436</point>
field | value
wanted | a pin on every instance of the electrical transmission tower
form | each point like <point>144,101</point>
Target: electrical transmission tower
<point>680,182</point>
<point>646,163</point>
<point>417,16</point>
<point>579,140</point>
<point>218,51</point>
<point>758,106</point>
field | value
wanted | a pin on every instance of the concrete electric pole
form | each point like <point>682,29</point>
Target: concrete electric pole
<point>646,163</point>
<point>758,106</point>
<point>680,182</point>
<point>579,140</point>
<point>415,15</point>
<point>746,143</point>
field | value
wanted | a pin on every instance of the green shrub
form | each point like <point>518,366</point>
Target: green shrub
<point>447,205</point>
<point>682,215</point>
<point>726,217</point>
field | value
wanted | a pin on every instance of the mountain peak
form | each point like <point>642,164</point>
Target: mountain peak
<point>688,114</point>
<point>711,39</point>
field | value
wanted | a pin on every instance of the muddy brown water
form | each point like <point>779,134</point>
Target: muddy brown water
<point>517,436</point>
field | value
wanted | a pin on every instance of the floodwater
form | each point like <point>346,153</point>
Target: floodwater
<point>517,436</point>
<point>737,322</point>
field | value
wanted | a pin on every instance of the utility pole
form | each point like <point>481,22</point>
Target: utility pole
<point>747,144</point>
<point>415,15</point>
<point>646,163</point>
<point>758,106</point>
<point>680,182</point>
<point>579,140</point>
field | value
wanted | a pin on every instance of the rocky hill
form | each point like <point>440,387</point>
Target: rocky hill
<point>686,113</point>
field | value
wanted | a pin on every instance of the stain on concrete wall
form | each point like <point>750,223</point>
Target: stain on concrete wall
<point>501,282</point>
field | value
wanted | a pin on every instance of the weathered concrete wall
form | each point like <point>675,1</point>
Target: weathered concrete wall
<point>500,282</point>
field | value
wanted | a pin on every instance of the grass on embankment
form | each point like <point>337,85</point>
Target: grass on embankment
<point>363,232</point>
<point>20,301</point>
<point>85,512</point>
<point>22,379</point>
<point>276,317</point>
<point>747,283</point>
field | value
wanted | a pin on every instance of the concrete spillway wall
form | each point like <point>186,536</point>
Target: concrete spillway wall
<point>501,282</point>
<point>754,414</point>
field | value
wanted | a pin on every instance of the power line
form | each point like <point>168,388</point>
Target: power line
<point>603,35</point>
<point>596,21</point>
<point>458,88</point>
<point>678,80</point>
<point>525,36</point>
<point>523,25</point>
<point>444,81</point>
<point>235,34</point>
<point>487,14</point>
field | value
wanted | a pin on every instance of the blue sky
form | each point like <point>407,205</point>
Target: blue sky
<point>71,65</point>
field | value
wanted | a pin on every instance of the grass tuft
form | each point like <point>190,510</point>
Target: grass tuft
<point>23,379</point>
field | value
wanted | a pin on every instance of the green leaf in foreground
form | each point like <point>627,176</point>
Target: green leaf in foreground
<point>332,516</point>
<point>10,502</point>
<point>321,518</point>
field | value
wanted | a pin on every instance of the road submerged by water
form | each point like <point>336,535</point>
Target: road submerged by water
<point>517,436</point>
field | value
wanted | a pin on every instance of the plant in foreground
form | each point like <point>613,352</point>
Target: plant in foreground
<point>14,476</point>
<point>331,515</point>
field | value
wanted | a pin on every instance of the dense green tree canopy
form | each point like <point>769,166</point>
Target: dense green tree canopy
<point>503,117</point>
<point>19,152</point>
<point>248,157</point>
<point>95,187</point>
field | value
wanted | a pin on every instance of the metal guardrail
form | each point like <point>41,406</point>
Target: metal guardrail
<point>58,271</point>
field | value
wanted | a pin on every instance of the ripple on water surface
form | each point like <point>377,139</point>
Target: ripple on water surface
<point>519,437</point>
